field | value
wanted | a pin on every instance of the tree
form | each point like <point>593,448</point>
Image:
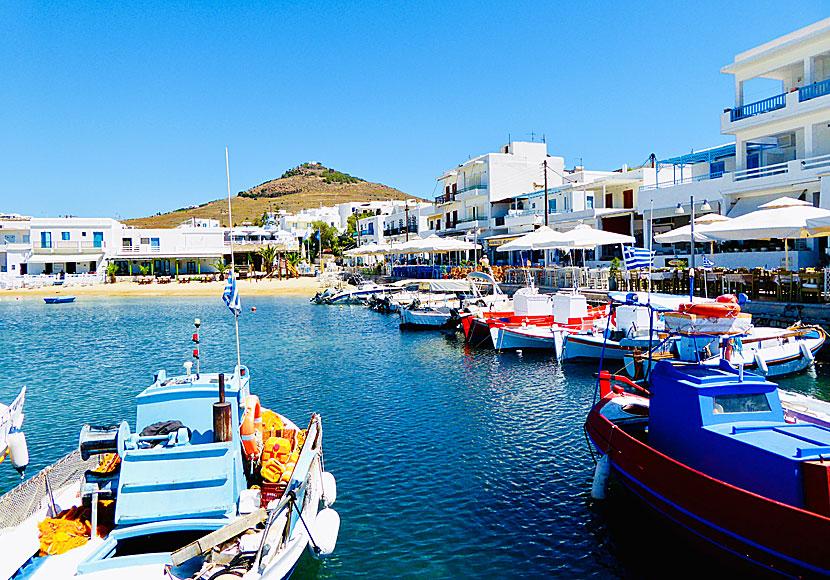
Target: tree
<point>262,220</point>
<point>351,221</point>
<point>268,254</point>
<point>222,267</point>
<point>112,270</point>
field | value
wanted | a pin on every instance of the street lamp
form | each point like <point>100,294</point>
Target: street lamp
<point>679,211</point>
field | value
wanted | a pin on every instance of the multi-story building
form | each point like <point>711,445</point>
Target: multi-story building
<point>187,249</point>
<point>781,148</point>
<point>479,194</point>
<point>69,244</point>
<point>15,244</point>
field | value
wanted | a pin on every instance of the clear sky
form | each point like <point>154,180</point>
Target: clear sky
<point>124,109</point>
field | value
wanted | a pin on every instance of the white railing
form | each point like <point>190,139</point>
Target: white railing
<point>766,171</point>
<point>818,162</point>
<point>39,280</point>
<point>88,279</point>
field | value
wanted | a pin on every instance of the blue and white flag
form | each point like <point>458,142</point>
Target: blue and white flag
<point>637,257</point>
<point>231,295</point>
<point>707,263</point>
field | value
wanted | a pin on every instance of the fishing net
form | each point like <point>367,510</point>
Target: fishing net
<point>31,495</point>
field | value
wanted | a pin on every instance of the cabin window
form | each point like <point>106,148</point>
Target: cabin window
<point>749,403</point>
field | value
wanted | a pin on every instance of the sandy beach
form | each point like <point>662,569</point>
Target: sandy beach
<point>289,287</point>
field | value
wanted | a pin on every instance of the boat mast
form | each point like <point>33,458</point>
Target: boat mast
<point>233,262</point>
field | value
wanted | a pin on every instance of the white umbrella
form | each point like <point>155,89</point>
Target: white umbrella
<point>418,245</point>
<point>585,237</point>
<point>450,245</point>
<point>533,241</point>
<point>819,226</point>
<point>683,233</point>
<point>782,218</point>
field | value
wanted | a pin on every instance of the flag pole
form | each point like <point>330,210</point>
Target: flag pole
<point>651,256</point>
<point>233,262</point>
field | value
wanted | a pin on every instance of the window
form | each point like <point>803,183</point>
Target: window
<point>45,239</point>
<point>154,242</point>
<point>65,236</point>
<point>9,238</point>
<point>566,204</point>
<point>716,169</point>
<point>552,206</point>
<point>628,198</point>
<point>145,241</point>
<point>750,403</point>
<point>609,200</point>
<point>25,238</point>
<point>126,242</point>
<point>97,239</point>
<point>589,202</point>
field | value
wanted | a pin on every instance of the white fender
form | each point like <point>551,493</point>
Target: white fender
<point>601,473</point>
<point>19,450</point>
<point>325,530</point>
<point>761,363</point>
<point>806,352</point>
<point>329,489</point>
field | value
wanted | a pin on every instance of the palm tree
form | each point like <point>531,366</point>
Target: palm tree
<point>222,267</point>
<point>268,254</point>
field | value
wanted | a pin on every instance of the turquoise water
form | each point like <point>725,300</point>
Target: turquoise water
<point>450,463</point>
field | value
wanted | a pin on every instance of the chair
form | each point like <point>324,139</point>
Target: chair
<point>811,286</point>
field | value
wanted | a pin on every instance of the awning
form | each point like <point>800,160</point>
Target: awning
<point>494,241</point>
<point>62,258</point>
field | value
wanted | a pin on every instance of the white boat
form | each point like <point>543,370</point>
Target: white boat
<point>12,439</point>
<point>771,352</point>
<point>628,330</point>
<point>172,500</point>
<point>431,318</point>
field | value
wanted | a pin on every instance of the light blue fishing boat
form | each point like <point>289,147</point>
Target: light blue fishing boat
<point>179,503</point>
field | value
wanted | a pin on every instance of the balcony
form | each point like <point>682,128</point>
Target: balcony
<point>800,100</point>
<point>397,231</point>
<point>814,90</point>
<point>445,198</point>
<point>68,247</point>
<point>758,107</point>
<point>471,191</point>
<point>468,224</point>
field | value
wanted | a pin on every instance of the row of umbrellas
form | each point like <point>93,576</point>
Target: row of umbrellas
<point>432,244</point>
<point>783,218</point>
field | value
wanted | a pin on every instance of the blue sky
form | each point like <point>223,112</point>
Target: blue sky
<point>124,110</point>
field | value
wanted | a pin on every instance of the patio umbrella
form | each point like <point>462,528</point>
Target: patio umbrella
<point>782,218</point>
<point>683,233</point>
<point>535,240</point>
<point>585,237</point>
<point>418,245</point>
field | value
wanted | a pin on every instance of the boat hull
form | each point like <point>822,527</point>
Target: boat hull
<point>731,518</point>
<point>426,320</point>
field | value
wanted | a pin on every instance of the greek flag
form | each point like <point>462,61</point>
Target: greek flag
<point>637,257</point>
<point>231,295</point>
<point>707,263</point>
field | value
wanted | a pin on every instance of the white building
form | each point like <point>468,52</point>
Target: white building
<point>15,244</point>
<point>165,252</point>
<point>396,223</point>
<point>781,147</point>
<point>300,222</point>
<point>69,245</point>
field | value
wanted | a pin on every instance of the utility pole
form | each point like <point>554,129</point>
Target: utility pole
<point>545,165</point>
<point>406,211</point>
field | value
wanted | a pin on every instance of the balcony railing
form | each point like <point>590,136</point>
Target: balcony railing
<point>445,198</point>
<point>758,107</point>
<point>58,246</point>
<point>814,90</point>
<point>400,230</point>
<point>695,179</point>
<point>765,171</point>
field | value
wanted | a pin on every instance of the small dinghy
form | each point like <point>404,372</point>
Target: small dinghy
<point>59,299</point>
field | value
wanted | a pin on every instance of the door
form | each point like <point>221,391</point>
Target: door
<point>97,239</point>
<point>45,239</point>
<point>70,267</point>
<point>753,160</point>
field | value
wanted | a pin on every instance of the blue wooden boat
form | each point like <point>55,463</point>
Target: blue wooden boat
<point>59,299</point>
<point>710,449</point>
<point>177,497</point>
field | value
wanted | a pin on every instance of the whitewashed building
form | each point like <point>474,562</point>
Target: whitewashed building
<point>15,244</point>
<point>186,249</point>
<point>781,147</point>
<point>69,245</point>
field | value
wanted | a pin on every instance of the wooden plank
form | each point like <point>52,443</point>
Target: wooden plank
<point>216,537</point>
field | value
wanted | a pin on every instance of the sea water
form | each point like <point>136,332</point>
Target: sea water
<point>450,462</point>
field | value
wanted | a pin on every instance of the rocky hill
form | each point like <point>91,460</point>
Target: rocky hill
<point>305,186</point>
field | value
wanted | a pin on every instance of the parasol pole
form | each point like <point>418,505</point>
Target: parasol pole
<point>233,263</point>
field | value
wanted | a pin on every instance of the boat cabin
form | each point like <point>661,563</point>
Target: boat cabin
<point>730,426</point>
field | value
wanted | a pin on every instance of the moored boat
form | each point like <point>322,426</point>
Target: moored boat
<point>58,299</point>
<point>174,499</point>
<point>710,449</point>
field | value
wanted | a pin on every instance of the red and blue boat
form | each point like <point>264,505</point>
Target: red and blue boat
<point>711,449</point>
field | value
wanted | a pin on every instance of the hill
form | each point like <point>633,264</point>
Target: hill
<point>306,186</point>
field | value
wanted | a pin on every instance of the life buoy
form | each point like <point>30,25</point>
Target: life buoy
<point>250,429</point>
<point>712,309</point>
<point>727,299</point>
